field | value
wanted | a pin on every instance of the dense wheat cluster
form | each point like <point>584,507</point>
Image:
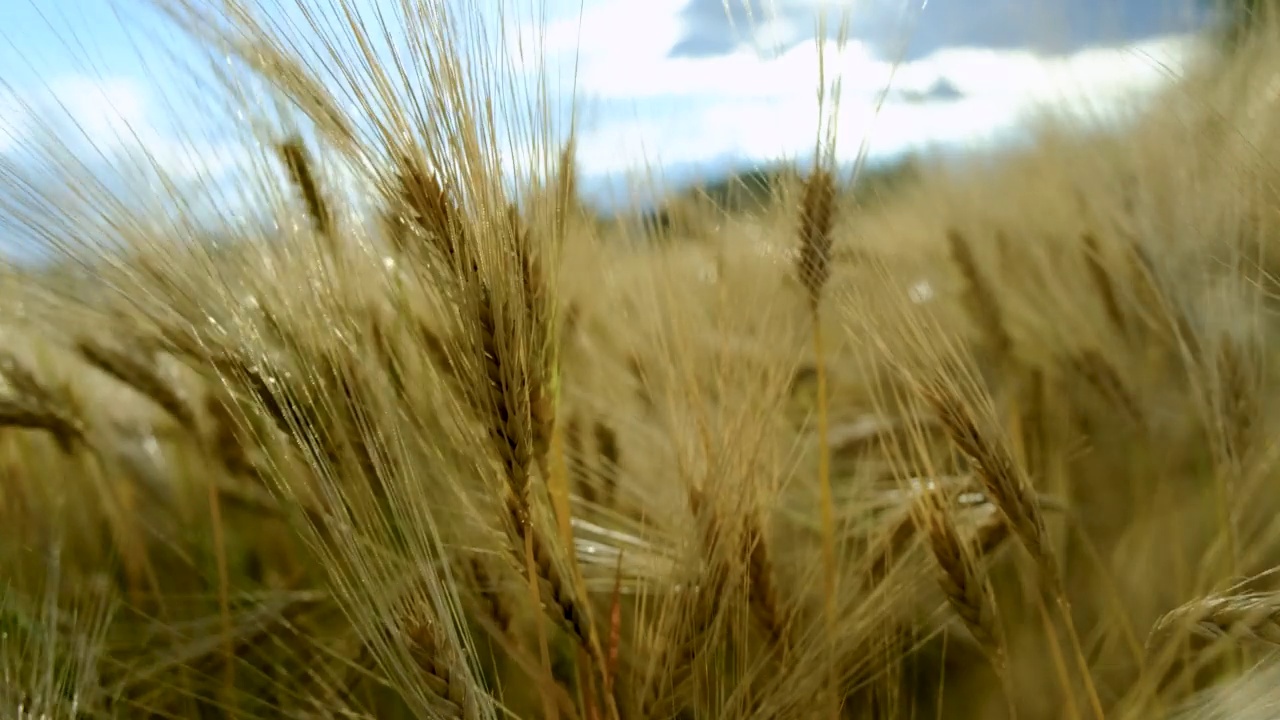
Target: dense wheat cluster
<point>995,445</point>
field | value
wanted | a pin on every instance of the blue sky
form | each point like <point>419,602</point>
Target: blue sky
<point>677,83</point>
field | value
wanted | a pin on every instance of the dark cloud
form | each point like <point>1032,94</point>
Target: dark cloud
<point>710,30</point>
<point>1048,27</point>
<point>941,91</point>
<point>1044,26</point>
<point>698,43</point>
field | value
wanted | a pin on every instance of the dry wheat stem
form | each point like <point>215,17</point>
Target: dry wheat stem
<point>817,214</point>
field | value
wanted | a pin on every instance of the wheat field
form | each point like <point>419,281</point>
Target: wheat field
<point>993,445</point>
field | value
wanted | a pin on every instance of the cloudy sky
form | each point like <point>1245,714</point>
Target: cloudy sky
<point>679,83</point>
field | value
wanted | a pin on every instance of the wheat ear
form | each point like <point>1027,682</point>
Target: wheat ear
<point>967,592</point>
<point>1009,488</point>
<point>984,308</point>
<point>33,406</point>
<point>298,164</point>
<point>1248,616</point>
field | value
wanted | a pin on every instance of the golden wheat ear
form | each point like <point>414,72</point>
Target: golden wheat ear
<point>422,211</point>
<point>30,404</point>
<point>297,162</point>
<point>984,306</point>
<point>956,558</point>
<point>995,467</point>
<point>140,374</point>
<point>817,217</point>
<point>1246,617</point>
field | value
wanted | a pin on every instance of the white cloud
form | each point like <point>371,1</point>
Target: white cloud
<point>616,28</point>
<point>1102,71</point>
<point>757,130</point>
<point>113,129</point>
<point>108,111</point>
<point>621,74</point>
<point>760,108</point>
<point>115,119</point>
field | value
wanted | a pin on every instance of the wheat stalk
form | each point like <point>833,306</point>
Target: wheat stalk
<point>817,215</point>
